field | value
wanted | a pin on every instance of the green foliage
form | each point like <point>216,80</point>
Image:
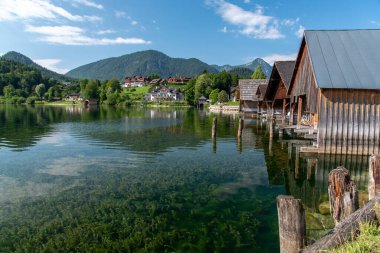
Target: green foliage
<point>258,73</point>
<point>90,89</point>
<point>240,72</point>
<point>154,76</point>
<point>222,96</point>
<point>22,59</point>
<point>31,100</point>
<point>223,81</point>
<point>214,96</point>
<point>201,84</point>
<point>368,241</point>
<point>40,90</point>
<point>190,92</point>
<point>143,63</point>
<point>9,91</point>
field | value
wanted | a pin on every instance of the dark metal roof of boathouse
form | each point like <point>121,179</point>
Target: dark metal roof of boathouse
<point>345,59</point>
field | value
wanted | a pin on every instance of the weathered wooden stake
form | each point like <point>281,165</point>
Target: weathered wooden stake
<point>299,112</point>
<point>283,110</point>
<point>240,129</point>
<point>292,224</point>
<point>342,194</point>
<point>214,128</point>
<point>280,133</point>
<point>213,134</point>
<point>374,176</point>
<point>270,129</point>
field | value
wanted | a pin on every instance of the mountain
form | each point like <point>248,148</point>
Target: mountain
<point>224,67</point>
<point>267,69</point>
<point>22,59</point>
<point>251,66</point>
<point>141,63</point>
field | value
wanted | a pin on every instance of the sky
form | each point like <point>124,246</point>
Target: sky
<point>62,35</point>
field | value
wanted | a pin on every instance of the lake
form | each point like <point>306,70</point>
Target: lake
<point>152,180</point>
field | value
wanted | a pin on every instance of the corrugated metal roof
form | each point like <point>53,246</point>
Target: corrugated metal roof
<point>345,59</point>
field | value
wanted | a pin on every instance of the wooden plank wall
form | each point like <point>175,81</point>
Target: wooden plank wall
<point>304,84</point>
<point>349,121</point>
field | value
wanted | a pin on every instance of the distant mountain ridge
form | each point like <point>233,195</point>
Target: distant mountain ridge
<point>20,58</point>
<point>148,62</point>
<point>142,63</point>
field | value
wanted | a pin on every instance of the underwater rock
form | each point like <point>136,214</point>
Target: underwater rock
<point>324,208</point>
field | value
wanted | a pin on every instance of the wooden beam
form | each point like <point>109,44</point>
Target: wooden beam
<point>299,111</point>
<point>292,224</point>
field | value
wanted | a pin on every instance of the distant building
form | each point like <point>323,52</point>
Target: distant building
<point>249,97</point>
<point>73,97</point>
<point>179,80</point>
<point>164,93</point>
<point>135,81</point>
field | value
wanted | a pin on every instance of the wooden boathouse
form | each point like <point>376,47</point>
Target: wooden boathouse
<point>335,88</point>
<point>276,96</point>
<point>250,94</point>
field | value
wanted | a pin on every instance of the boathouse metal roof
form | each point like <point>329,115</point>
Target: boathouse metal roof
<point>345,59</point>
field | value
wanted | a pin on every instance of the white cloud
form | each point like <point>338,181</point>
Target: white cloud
<point>11,10</point>
<point>120,14</point>
<point>89,3</point>
<point>375,22</point>
<point>299,32</point>
<point>224,29</point>
<point>52,65</point>
<point>279,57</point>
<point>251,23</point>
<point>247,1</point>
<point>71,35</point>
<point>290,22</point>
<point>108,31</point>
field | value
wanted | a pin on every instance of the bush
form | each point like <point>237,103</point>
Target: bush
<point>31,100</point>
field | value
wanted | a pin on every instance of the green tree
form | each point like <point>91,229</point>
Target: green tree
<point>154,76</point>
<point>222,96</point>
<point>113,85</point>
<point>91,89</point>
<point>189,92</point>
<point>201,84</point>
<point>214,96</point>
<point>258,73</point>
<point>50,93</point>
<point>9,91</point>
<point>40,90</point>
<point>234,80</point>
<point>223,81</point>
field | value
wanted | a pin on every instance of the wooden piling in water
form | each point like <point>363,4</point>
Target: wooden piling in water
<point>213,134</point>
<point>374,176</point>
<point>342,194</point>
<point>292,224</point>
<point>240,129</point>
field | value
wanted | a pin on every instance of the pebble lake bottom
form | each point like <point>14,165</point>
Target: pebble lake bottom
<point>152,180</point>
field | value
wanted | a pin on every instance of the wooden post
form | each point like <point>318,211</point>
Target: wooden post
<point>291,119</point>
<point>374,176</point>
<point>283,110</point>
<point>345,230</point>
<point>299,112</point>
<point>270,129</point>
<point>240,129</point>
<point>213,134</point>
<point>292,224</point>
<point>342,194</point>
<point>297,163</point>
<point>280,133</point>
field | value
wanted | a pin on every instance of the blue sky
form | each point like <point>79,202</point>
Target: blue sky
<point>65,34</point>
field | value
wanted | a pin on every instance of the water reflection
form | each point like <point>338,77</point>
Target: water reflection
<point>220,194</point>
